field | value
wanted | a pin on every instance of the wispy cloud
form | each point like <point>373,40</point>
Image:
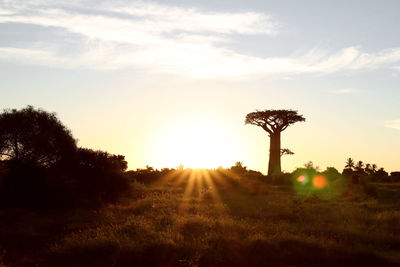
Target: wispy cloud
<point>344,91</point>
<point>169,39</point>
<point>395,124</point>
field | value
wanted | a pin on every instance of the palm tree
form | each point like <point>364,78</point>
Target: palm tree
<point>360,165</point>
<point>374,167</point>
<point>349,164</point>
<point>368,168</point>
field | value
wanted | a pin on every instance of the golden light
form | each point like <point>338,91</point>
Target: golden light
<point>320,181</point>
<point>195,142</point>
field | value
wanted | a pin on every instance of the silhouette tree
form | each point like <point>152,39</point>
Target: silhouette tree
<point>34,136</point>
<point>310,165</point>
<point>41,167</point>
<point>368,168</point>
<point>349,164</point>
<point>360,166</point>
<point>274,122</point>
<point>331,173</point>
<point>239,167</point>
<point>374,167</point>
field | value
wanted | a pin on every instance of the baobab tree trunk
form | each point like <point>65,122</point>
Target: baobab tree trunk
<point>274,166</point>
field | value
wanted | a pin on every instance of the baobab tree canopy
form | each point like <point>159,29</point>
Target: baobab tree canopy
<point>274,122</point>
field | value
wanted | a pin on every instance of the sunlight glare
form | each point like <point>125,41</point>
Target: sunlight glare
<point>195,142</point>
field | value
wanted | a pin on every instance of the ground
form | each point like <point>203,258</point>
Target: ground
<point>210,221</point>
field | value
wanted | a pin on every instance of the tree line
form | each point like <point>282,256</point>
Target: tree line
<point>41,165</point>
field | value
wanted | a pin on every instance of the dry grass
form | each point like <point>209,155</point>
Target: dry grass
<point>220,222</point>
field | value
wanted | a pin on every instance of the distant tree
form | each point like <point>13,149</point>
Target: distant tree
<point>99,177</point>
<point>238,167</point>
<point>180,167</point>
<point>332,173</point>
<point>310,165</point>
<point>274,122</point>
<point>347,173</point>
<point>395,176</point>
<point>34,136</point>
<point>368,169</point>
<point>374,167</point>
<point>149,168</point>
<point>367,166</point>
<point>349,164</point>
<point>381,175</point>
<point>360,166</point>
<point>101,160</point>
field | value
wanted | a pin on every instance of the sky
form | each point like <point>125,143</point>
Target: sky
<point>170,82</point>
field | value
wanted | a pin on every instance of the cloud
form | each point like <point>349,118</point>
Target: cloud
<point>344,91</point>
<point>28,56</point>
<point>140,22</point>
<point>394,124</point>
<point>192,20</point>
<point>161,38</point>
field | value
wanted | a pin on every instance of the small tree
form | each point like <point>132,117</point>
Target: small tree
<point>274,122</point>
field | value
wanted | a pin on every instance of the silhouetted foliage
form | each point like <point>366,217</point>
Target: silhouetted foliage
<point>239,168</point>
<point>41,166</point>
<point>332,173</point>
<point>310,165</point>
<point>395,176</point>
<point>147,175</point>
<point>381,175</point>
<point>367,172</point>
<point>286,151</point>
<point>274,122</point>
<point>349,164</point>
<point>35,137</point>
<point>100,176</point>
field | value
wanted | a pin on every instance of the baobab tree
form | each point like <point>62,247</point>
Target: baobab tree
<point>274,122</point>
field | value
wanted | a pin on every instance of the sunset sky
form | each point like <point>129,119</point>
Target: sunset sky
<point>170,82</point>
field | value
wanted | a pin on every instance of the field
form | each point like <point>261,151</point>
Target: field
<point>206,220</point>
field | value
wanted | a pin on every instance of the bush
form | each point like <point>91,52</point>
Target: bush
<point>99,177</point>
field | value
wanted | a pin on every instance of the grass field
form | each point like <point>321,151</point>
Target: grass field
<point>203,220</point>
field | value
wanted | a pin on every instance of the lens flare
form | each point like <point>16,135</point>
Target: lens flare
<point>320,181</point>
<point>301,179</point>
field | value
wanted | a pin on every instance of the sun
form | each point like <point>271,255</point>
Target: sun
<point>195,142</point>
